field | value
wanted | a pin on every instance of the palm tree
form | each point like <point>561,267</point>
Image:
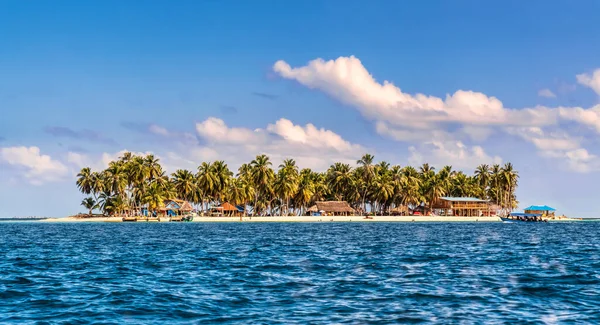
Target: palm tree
<point>135,180</point>
<point>154,169</point>
<point>116,179</point>
<point>222,175</point>
<point>155,197</point>
<point>509,184</point>
<point>411,187</point>
<point>262,177</point>
<point>207,182</point>
<point>445,177</point>
<point>239,192</point>
<point>496,182</point>
<point>460,185</point>
<point>246,181</point>
<point>90,204</point>
<point>184,183</point>
<point>482,175</point>
<point>305,191</point>
<point>367,173</point>
<point>436,188</point>
<point>427,170</point>
<point>320,190</point>
<point>383,188</point>
<point>339,179</point>
<point>98,184</point>
<point>286,183</point>
<point>85,180</point>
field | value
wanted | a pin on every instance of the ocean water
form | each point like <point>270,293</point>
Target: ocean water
<point>294,273</point>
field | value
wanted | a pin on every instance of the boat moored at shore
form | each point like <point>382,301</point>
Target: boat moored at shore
<point>524,217</point>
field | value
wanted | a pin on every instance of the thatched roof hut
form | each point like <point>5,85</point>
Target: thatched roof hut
<point>333,207</point>
<point>228,207</point>
<point>177,205</point>
<point>399,210</point>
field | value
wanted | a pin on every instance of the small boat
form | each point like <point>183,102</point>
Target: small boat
<point>523,217</point>
<point>129,219</point>
<point>185,218</point>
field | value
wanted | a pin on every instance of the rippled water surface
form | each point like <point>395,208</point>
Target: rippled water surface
<point>287,273</point>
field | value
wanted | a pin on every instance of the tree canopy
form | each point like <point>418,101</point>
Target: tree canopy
<point>134,181</point>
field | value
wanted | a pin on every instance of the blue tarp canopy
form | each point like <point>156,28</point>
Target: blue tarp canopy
<point>539,208</point>
<point>526,215</point>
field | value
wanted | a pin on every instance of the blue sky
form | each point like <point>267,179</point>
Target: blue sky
<point>194,80</point>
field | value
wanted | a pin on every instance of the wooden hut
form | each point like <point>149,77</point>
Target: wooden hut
<point>175,207</point>
<point>231,210</point>
<point>226,209</point>
<point>333,208</point>
<point>399,211</point>
<point>461,206</point>
<point>543,210</point>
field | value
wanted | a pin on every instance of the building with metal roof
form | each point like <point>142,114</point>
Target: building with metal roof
<point>543,210</point>
<point>462,199</point>
<point>462,206</point>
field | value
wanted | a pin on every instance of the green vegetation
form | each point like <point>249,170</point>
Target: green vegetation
<point>134,181</point>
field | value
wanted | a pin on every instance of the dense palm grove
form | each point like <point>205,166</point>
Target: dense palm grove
<point>135,181</point>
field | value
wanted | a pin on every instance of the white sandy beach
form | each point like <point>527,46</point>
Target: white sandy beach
<point>301,219</point>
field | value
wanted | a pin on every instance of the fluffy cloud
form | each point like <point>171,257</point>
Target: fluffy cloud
<point>589,117</point>
<point>578,160</point>
<point>348,80</point>
<point>453,153</point>
<point>216,131</point>
<point>559,145</point>
<point>546,93</point>
<point>425,120</point>
<point>310,136</point>
<point>590,80</point>
<point>311,146</point>
<point>545,141</point>
<point>97,162</point>
<point>32,165</point>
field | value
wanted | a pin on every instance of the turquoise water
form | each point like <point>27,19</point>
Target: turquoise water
<point>295,273</point>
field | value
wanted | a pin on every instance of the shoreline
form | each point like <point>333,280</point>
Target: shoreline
<point>299,219</point>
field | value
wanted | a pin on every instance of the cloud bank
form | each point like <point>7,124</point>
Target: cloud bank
<point>424,119</point>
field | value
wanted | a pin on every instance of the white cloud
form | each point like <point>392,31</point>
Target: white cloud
<point>348,80</point>
<point>590,80</point>
<point>32,165</point>
<point>422,119</point>
<point>454,153</point>
<point>546,93</point>
<point>546,141</point>
<point>410,135</point>
<point>79,160</point>
<point>312,147</point>
<point>153,128</point>
<point>310,136</point>
<point>477,133</point>
<point>589,117</point>
<point>97,162</point>
<point>559,145</point>
<point>577,160</point>
<point>215,130</point>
